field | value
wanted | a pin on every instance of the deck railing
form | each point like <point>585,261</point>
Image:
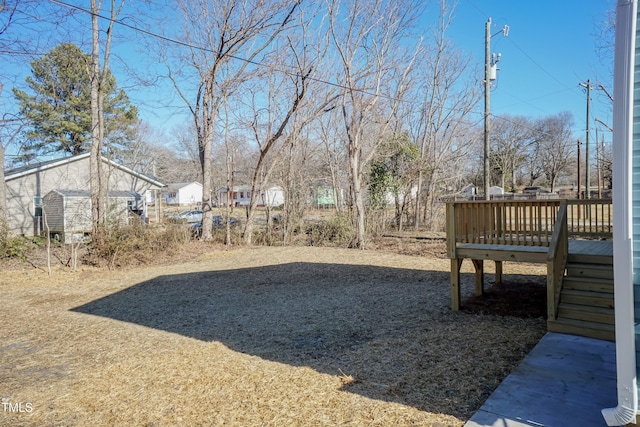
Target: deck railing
<point>591,218</point>
<point>557,261</point>
<point>524,222</point>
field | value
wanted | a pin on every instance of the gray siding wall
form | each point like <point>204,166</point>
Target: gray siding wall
<point>53,207</point>
<point>77,215</point>
<point>21,191</point>
<point>70,175</point>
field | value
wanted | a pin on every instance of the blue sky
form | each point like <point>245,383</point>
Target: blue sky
<point>549,50</point>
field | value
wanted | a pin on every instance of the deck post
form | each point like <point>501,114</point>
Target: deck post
<point>456,263</point>
<point>498,280</point>
<point>479,265</point>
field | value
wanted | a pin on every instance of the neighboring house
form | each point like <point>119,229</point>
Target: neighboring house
<point>27,185</point>
<point>496,191</point>
<point>67,213</point>
<point>240,195</point>
<point>626,213</point>
<point>469,189</point>
<point>327,197</point>
<point>184,193</point>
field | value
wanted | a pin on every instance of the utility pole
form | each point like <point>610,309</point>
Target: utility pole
<point>579,178</point>
<point>598,165</point>
<point>490,72</point>
<point>487,107</point>
<point>587,178</point>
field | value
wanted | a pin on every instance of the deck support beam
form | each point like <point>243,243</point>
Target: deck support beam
<point>479,266</point>
<point>456,263</point>
<point>498,280</point>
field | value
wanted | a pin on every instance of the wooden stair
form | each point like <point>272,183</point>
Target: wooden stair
<point>586,300</point>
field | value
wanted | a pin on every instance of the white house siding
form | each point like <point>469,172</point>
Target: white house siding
<point>241,196</point>
<point>183,194</point>
<point>635,199</point>
<point>626,199</point>
<point>273,196</point>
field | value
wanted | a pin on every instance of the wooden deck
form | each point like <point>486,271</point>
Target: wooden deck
<point>587,250</point>
<point>570,237</point>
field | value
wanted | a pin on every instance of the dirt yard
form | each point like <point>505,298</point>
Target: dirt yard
<point>261,336</point>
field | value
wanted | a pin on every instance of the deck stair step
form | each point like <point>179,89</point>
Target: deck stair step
<point>590,259</point>
<point>593,284</point>
<point>586,301</point>
<point>596,330</point>
<point>587,298</point>
<point>584,312</point>
<point>601,271</point>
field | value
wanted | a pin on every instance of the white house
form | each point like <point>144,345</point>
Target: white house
<point>182,193</point>
<point>240,195</point>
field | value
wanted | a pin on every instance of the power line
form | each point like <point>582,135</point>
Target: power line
<point>290,73</point>
<point>205,49</point>
<point>537,64</point>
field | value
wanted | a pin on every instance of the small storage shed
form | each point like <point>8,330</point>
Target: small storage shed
<point>67,213</point>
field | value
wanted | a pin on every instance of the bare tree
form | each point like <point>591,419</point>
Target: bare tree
<point>19,38</point>
<point>278,122</point>
<point>224,40</point>
<point>368,35</point>
<point>511,137</point>
<point>335,156</point>
<point>555,145</point>
<point>443,126</point>
<point>10,128</point>
<point>99,73</point>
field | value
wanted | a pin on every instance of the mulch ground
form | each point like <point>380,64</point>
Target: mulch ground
<point>263,336</point>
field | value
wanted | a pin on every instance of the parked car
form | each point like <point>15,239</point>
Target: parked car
<point>535,190</point>
<point>218,222</point>
<point>188,216</point>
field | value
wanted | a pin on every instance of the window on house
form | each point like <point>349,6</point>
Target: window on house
<point>37,206</point>
<point>242,194</point>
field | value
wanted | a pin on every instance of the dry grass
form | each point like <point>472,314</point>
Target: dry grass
<point>256,336</point>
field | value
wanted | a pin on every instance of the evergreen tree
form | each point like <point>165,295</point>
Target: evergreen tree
<point>58,107</point>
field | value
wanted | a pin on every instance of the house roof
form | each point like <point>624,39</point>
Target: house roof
<point>49,164</point>
<point>178,185</point>
<point>237,188</point>
<point>116,194</point>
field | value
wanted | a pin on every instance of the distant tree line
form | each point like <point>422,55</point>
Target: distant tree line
<point>339,94</point>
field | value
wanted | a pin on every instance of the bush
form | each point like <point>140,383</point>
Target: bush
<point>137,243</point>
<point>13,247</point>
<point>337,231</point>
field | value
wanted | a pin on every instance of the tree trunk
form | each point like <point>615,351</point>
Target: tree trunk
<point>3,191</point>
<point>354,166</point>
<point>96,134</point>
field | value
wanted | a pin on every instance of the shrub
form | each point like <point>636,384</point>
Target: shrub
<point>137,243</point>
<point>337,231</point>
<point>12,247</point>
